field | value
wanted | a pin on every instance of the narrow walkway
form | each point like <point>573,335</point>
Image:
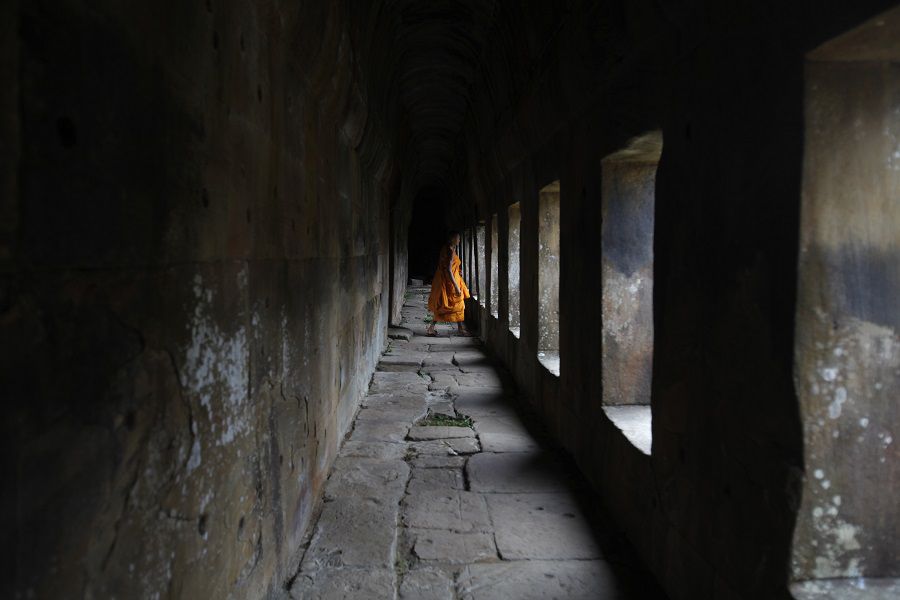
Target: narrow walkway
<point>479,512</point>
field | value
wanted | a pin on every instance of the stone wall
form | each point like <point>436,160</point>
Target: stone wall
<point>195,278</point>
<point>712,510</point>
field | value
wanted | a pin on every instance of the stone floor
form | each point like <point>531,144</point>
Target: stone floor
<point>490,511</point>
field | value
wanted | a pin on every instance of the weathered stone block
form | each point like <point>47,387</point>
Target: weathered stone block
<point>538,580</point>
<point>435,479</point>
<point>439,359</point>
<point>405,401</point>
<point>426,584</point>
<point>429,461</point>
<point>517,472</point>
<point>432,432</point>
<point>390,413</point>
<point>484,403</point>
<point>344,584</point>
<point>508,442</point>
<point>381,450</point>
<point>453,510</point>
<point>353,532</point>
<point>367,478</point>
<point>379,431</point>
<point>481,380</point>
<point>453,548</point>
<point>447,447</point>
<point>509,424</point>
<point>534,526</point>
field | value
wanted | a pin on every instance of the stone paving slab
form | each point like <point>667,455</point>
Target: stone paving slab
<point>394,401</point>
<point>480,380</point>
<point>453,548</point>
<point>398,368</point>
<point>353,532</point>
<point>394,378</point>
<point>476,369</point>
<point>436,349</point>
<point>451,447</point>
<point>384,480</point>
<point>401,356</point>
<point>505,433</point>
<point>410,388</point>
<point>439,360</point>
<point>516,472</point>
<point>508,423</point>
<point>443,339</point>
<point>426,584</point>
<point>398,382</point>
<point>452,510</point>
<point>429,461</point>
<point>442,407</point>
<point>550,526</point>
<point>399,347</point>
<point>482,410</point>
<point>471,357</point>
<point>379,431</point>
<point>508,442</point>
<point>540,580</point>
<point>440,480</point>
<point>443,380</point>
<point>345,584</point>
<point>436,370</point>
<point>391,413</point>
<point>434,432</point>
<point>484,403</point>
<point>379,450</point>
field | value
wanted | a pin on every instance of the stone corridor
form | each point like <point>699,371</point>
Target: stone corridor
<point>679,224</point>
<point>490,511</point>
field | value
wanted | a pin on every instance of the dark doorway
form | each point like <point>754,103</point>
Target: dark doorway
<point>427,233</point>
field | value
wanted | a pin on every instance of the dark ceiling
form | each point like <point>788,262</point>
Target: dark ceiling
<point>438,44</point>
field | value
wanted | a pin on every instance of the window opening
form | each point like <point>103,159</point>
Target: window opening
<point>480,254</point>
<point>626,241</point>
<point>512,271</point>
<point>495,269</point>
<point>548,277</point>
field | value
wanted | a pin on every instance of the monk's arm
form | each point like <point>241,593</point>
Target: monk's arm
<point>450,274</point>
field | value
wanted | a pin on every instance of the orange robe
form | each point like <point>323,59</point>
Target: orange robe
<point>444,303</point>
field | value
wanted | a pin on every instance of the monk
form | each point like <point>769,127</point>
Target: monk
<point>447,301</point>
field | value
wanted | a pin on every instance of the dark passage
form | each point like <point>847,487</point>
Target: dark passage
<point>428,229</point>
<point>681,233</point>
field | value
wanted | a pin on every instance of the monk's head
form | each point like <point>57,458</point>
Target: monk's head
<point>453,238</point>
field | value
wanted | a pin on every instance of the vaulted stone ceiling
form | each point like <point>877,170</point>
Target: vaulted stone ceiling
<point>438,44</point>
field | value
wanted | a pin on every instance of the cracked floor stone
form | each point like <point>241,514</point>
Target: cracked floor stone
<point>451,513</point>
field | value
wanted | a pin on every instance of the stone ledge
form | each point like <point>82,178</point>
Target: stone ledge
<point>858,588</point>
<point>635,423</point>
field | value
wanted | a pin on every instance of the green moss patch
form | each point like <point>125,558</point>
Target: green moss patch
<point>442,420</point>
